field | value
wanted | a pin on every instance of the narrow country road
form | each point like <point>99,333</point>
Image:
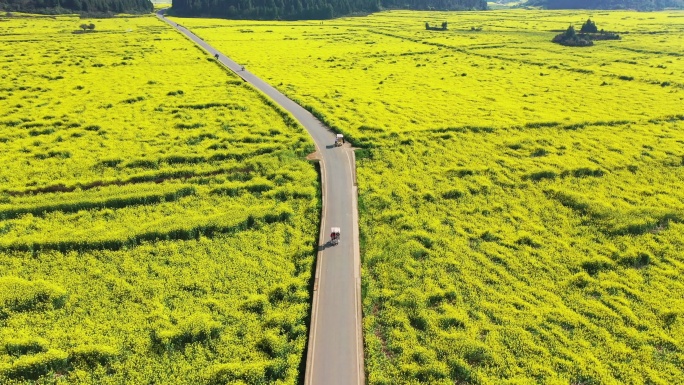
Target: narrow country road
<point>335,350</point>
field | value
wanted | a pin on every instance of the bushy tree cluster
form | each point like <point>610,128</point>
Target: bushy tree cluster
<point>588,33</point>
<point>444,27</point>
<point>89,6</point>
<point>571,38</point>
<point>86,27</point>
<point>309,9</point>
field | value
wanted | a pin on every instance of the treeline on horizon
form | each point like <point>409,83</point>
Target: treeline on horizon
<point>77,6</point>
<point>643,5</point>
<point>309,9</point>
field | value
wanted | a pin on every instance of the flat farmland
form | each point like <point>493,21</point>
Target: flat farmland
<point>520,202</point>
<point>158,220</point>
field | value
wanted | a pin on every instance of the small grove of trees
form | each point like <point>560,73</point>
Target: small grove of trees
<point>588,33</point>
<point>442,28</point>
<point>87,27</point>
<point>572,39</point>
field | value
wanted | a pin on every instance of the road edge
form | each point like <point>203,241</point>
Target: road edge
<point>313,320</point>
<point>357,274</point>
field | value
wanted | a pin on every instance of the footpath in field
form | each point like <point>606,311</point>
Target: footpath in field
<point>335,350</point>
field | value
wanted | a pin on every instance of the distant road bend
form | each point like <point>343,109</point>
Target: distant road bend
<point>335,350</point>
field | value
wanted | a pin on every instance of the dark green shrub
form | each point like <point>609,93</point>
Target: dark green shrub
<point>670,317</point>
<point>527,241</point>
<point>488,236</point>
<point>21,346</point>
<point>586,171</point>
<point>196,328</point>
<point>476,354</point>
<point>110,162</point>
<point>270,344</point>
<point>446,323</point>
<point>418,322</point>
<point>255,304</point>
<point>184,126</point>
<point>636,260</point>
<point>459,370</point>
<point>93,355</point>
<point>580,280</point>
<point>597,264</point>
<point>540,152</point>
<point>541,175</point>
<point>142,163</point>
<point>46,131</point>
<point>453,194</point>
<point>133,100</point>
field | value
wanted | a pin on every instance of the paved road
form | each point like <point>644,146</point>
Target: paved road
<point>335,353</point>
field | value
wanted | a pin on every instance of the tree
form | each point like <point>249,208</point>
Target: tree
<point>84,27</point>
<point>570,33</point>
<point>91,26</point>
<point>589,27</point>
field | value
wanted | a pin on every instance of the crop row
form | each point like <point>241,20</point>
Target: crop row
<point>155,177</point>
<point>191,229</point>
<point>103,203</point>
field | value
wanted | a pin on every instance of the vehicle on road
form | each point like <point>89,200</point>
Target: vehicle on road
<point>335,235</point>
<point>339,140</point>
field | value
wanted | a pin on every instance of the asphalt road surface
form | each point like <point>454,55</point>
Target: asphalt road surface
<point>335,354</point>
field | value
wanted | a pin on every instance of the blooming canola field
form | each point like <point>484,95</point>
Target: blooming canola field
<point>158,219</point>
<point>521,210</point>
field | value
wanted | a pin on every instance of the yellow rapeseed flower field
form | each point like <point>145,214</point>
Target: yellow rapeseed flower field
<point>157,217</point>
<point>522,215</point>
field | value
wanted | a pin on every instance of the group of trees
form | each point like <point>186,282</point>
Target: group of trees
<point>309,9</point>
<point>87,27</point>
<point>442,28</point>
<point>571,38</point>
<point>85,6</point>
<point>645,5</point>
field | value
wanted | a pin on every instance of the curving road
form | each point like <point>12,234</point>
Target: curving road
<point>335,350</point>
